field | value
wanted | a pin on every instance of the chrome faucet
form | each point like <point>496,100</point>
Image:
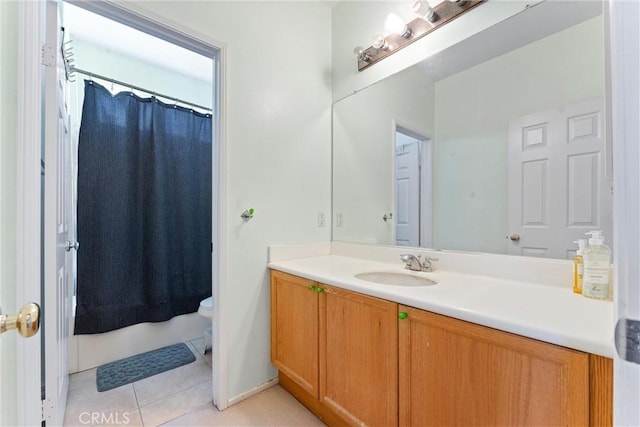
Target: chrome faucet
<point>411,262</point>
<point>415,263</point>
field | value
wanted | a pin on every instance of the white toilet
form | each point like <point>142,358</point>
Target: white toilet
<point>206,310</point>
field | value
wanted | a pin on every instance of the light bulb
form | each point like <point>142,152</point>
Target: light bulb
<point>361,54</point>
<point>423,9</point>
<point>395,25</point>
<point>379,42</point>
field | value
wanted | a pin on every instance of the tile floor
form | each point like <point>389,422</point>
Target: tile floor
<point>180,397</point>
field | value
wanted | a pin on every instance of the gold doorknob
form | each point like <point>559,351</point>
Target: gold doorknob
<point>514,237</point>
<point>27,322</point>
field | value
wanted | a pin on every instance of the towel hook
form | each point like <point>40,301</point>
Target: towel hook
<point>247,214</point>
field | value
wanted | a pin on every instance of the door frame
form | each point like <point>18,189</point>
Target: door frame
<point>623,29</point>
<point>28,251</point>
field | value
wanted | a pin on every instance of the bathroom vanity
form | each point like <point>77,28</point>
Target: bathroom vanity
<point>469,350</point>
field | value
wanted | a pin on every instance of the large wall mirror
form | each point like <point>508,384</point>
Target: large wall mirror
<point>498,144</point>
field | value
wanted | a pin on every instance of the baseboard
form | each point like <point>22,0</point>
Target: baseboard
<point>252,392</point>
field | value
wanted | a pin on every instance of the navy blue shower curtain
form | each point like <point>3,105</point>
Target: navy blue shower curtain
<point>144,211</point>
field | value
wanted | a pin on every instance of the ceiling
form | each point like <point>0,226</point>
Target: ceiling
<point>90,27</point>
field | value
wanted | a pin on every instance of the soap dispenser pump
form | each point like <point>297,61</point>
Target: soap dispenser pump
<point>597,264</point>
<point>578,266</point>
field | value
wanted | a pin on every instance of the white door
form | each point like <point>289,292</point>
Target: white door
<point>407,191</point>
<point>557,185</point>
<point>57,293</point>
<point>21,399</point>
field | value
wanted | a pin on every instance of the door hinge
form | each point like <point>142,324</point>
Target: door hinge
<point>47,411</point>
<point>48,58</point>
<point>627,340</point>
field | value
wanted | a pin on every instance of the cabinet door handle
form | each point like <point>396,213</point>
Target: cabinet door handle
<point>311,287</point>
<point>402,315</point>
<point>320,290</point>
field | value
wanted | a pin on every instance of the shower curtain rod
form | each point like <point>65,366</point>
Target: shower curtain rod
<point>130,86</point>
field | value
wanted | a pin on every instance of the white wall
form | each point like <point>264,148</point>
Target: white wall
<point>363,151</point>
<point>277,151</point>
<point>355,22</point>
<point>473,110</point>
<point>8,157</point>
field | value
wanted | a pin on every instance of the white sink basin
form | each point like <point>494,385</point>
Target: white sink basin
<point>396,278</point>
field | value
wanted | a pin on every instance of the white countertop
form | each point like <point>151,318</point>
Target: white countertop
<point>547,313</point>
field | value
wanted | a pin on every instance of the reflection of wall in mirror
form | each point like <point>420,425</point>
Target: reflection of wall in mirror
<point>473,110</point>
<point>363,160</point>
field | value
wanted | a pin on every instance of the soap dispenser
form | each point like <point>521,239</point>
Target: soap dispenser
<point>597,263</point>
<point>578,266</point>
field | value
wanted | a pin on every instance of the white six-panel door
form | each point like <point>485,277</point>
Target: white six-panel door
<point>557,185</point>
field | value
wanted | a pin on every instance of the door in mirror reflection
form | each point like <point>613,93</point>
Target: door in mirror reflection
<point>407,189</point>
<point>557,190</point>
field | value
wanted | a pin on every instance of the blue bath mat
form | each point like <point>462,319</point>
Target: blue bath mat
<point>140,366</point>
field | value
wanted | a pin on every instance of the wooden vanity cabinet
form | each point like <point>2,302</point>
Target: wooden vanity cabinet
<point>359,357</point>
<point>336,351</point>
<point>294,329</point>
<point>456,373</point>
<point>358,360</point>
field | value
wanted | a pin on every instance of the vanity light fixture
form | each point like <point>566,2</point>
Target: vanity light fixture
<point>379,42</point>
<point>403,34</point>
<point>396,25</point>
<point>423,9</point>
<point>361,54</point>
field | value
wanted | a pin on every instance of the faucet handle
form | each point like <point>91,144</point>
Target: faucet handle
<point>426,264</point>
